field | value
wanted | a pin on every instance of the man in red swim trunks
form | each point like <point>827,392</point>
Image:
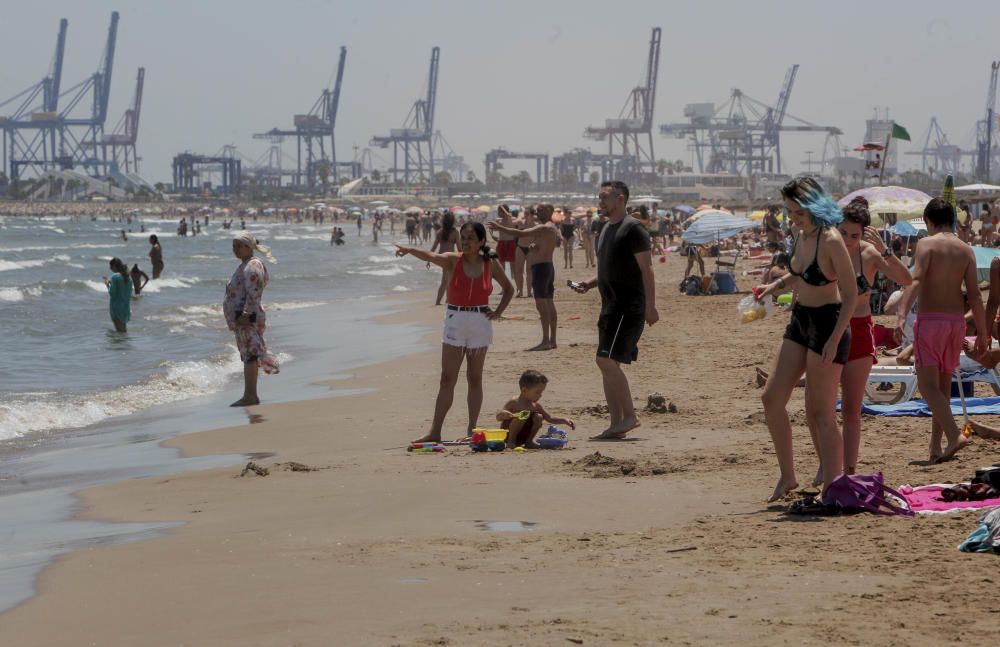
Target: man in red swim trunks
<point>941,265</point>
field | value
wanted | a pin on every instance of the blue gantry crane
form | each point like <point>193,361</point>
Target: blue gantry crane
<point>49,135</point>
<point>311,131</point>
<point>985,151</point>
<point>415,139</point>
<point>630,136</point>
<point>31,129</point>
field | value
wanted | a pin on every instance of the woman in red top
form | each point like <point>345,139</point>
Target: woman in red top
<point>468,332</point>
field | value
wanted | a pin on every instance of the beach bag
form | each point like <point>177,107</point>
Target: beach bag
<point>864,493</point>
<point>691,286</point>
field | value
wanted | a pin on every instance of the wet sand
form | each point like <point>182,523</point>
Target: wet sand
<point>666,540</point>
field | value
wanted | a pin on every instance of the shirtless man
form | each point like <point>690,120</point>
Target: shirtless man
<point>507,246</point>
<point>941,265</point>
<point>540,268</point>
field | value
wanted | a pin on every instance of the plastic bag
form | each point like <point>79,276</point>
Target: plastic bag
<point>751,309</point>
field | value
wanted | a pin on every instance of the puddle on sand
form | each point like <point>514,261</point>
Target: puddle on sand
<point>259,455</point>
<point>256,418</point>
<point>413,580</point>
<point>505,526</point>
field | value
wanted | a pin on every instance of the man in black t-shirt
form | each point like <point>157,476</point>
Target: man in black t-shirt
<point>628,302</point>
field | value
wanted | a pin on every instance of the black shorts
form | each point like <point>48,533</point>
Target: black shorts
<point>543,280</point>
<point>812,327</point>
<point>618,336</point>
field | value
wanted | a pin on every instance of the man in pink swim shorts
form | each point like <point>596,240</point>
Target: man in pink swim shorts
<point>941,266</point>
<point>938,338</point>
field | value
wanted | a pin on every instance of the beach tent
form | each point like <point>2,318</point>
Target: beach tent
<point>978,191</point>
<point>715,225</point>
<point>984,256</point>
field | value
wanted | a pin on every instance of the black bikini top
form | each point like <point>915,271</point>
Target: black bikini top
<point>812,275</point>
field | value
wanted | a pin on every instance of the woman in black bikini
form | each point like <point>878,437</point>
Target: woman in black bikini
<point>817,340</point>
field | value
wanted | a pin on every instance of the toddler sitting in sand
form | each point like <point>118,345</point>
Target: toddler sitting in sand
<point>522,416</point>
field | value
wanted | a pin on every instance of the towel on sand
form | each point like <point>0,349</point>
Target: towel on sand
<point>926,499</point>
<point>975,406</point>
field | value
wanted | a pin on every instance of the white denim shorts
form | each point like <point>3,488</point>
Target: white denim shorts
<point>467,329</point>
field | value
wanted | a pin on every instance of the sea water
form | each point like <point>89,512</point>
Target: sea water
<point>63,367</point>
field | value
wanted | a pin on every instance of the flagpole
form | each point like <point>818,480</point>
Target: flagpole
<point>885,153</point>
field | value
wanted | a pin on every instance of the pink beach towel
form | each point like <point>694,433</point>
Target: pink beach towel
<point>926,499</point>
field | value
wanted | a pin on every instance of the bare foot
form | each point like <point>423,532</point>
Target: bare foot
<point>983,431</point>
<point>545,345</point>
<point>245,402</point>
<point>818,479</point>
<point>952,449</point>
<point>782,489</point>
<point>761,378</point>
<point>428,438</point>
<point>619,430</point>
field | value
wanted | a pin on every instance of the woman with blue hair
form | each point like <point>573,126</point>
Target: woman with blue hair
<point>817,340</point>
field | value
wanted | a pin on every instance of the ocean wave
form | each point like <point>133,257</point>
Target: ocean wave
<point>25,413</point>
<point>179,282</point>
<point>6,266</point>
<point>384,259</point>
<point>400,288</point>
<point>389,271</point>
<point>292,305</point>
<point>18,294</point>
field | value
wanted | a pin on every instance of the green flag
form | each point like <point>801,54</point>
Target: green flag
<point>898,132</point>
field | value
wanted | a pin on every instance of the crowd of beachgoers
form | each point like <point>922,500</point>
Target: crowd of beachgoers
<point>831,267</point>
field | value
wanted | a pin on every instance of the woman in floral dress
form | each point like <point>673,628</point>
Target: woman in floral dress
<point>245,316</point>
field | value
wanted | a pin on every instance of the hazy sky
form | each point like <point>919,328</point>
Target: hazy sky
<point>525,75</point>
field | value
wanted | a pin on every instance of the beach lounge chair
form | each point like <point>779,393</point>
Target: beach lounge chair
<point>904,380</point>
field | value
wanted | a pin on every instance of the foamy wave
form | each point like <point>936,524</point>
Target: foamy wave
<point>18,294</point>
<point>400,288</point>
<point>204,311</point>
<point>27,413</point>
<point>61,257</point>
<point>159,284</point>
<point>384,259</point>
<point>293,305</point>
<point>6,266</point>
<point>389,271</point>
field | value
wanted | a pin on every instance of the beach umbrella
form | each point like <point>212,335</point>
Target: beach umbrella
<point>484,208</point>
<point>379,203</point>
<point>890,199</point>
<point>715,225</point>
<point>904,228</point>
<point>757,215</point>
<point>460,211</point>
<point>416,210</point>
<point>684,208</point>
<point>702,207</point>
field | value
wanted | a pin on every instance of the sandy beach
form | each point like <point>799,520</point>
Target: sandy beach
<point>664,540</point>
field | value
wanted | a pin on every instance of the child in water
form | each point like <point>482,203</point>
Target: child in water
<point>522,416</point>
